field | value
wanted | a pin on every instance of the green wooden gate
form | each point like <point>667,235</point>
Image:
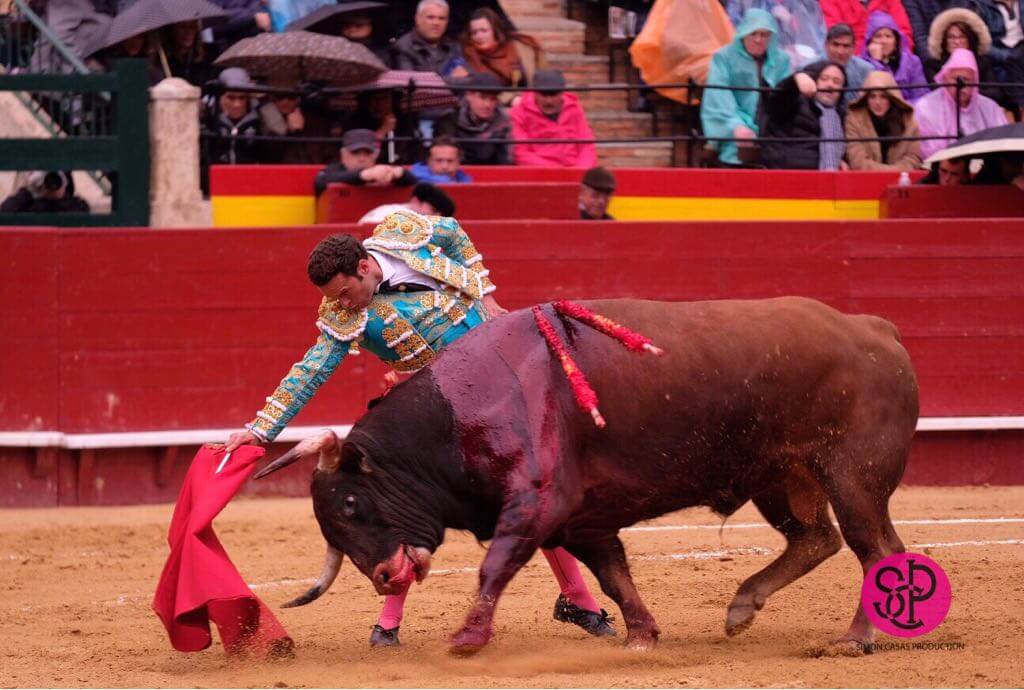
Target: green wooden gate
<point>104,126</point>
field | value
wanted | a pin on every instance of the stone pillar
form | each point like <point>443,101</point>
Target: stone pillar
<point>175,197</point>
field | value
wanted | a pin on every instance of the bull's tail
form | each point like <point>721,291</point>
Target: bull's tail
<point>332,564</point>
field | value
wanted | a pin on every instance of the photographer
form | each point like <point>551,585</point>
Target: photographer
<point>45,192</point>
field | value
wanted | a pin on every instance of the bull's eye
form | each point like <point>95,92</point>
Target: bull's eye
<point>350,505</point>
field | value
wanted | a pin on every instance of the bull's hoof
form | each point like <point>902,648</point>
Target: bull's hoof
<point>641,642</point>
<point>739,618</point>
<point>381,637</point>
<point>468,641</point>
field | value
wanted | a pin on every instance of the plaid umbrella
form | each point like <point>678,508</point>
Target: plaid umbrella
<point>301,56</point>
<point>329,19</point>
<point>148,15</point>
<point>423,90</point>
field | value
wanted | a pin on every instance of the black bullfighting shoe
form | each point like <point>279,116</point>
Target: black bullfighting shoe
<point>597,624</point>
<point>384,638</point>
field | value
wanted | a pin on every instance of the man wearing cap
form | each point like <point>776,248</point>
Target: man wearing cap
<point>480,117</point>
<point>404,294</point>
<point>548,112</point>
<point>357,165</point>
<point>596,190</point>
<point>426,199</point>
<point>229,131</point>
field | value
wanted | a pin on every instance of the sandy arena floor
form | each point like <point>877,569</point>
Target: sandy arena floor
<point>77,585</point>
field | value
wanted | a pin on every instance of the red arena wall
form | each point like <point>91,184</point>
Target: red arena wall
<point>113,330</point>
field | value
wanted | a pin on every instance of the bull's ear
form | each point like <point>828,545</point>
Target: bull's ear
<point>353,459</point>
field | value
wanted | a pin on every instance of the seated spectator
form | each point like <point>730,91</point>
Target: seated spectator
<point>752,60</point>
<point>283,116</point>
<point>548,112</point>
<point>140,46</point>
<point>596,190</point>
<point>45,192</point>
<point>887,49</point>
<point>426,199</point>
<point>184,54</point>
<point>961,28</point>
<point>1005,168</point>
<point>357,165</point>
<point>244,18</point>
<point>229,130</point>
<point>936,113</point>
<point>921,14</point>
<point>839,49</point>
<point>425,48</point>
<point>357,26</point>
<point>482,118</point>
<point>948,173</point>
<point>489,46</point>
<point>882,114</point>
<point>856,13</point>
<point>801,25</point>
<point>377,111</point>
<point>442,164</point>
<point>803,107</point>
<point>1003,19</point>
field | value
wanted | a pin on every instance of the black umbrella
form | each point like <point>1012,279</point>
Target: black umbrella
<point>301,56</point>
<point>329,19</point>
<point>1007,138</point>
<point>148,15</point>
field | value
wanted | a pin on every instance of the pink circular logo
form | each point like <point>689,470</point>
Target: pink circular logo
<point>906,594</point>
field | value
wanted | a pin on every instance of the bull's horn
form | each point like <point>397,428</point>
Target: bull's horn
<point>325,444</point>
<point>332,564</point>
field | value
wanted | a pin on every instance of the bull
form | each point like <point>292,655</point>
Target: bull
<point>784,402</point>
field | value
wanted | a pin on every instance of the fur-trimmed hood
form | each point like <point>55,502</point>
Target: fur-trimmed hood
<point>946,18</point>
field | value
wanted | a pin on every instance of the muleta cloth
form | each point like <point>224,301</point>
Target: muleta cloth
<point>199,583</point>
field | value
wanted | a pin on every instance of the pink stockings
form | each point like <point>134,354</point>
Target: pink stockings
<point>564,566</point>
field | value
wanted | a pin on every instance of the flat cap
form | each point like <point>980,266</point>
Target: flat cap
<point>549,80</point>
<point>600,178</point>
<point>359,140</point>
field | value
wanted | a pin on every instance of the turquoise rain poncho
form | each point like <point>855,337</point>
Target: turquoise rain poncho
<point>723,111</point>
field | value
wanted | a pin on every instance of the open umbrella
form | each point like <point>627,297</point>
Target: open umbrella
<point>148,15</point>
<point>423,90</point>
<point>1002,139</point>
<point>302,56</point>
<point>329,20</point>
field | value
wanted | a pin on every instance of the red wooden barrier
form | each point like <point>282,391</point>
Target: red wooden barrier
<point>114,330</point>
<point>342,203</point>
<point>966,201</point>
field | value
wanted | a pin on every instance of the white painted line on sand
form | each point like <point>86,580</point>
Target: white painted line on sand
<point>765,525</point>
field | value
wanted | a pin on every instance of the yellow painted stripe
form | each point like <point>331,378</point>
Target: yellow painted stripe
<point>708,208</point>
<point>262,211</point>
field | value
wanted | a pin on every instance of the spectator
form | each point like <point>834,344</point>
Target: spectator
<point>426,199</point>
<point>357,26</point>
<point>357,165</point>
<point>801,25</point>
<point>596,190</point>
<point>184,52</point>
<point>230,129</point>
<point>887,49</point>
<point>244,18</point>
<point>1002,17</point>
<point>936,113</point>
<point>839,49</point>
<point>1004,168</point>
<point>948,173</point>
<point>425,48</point>
<point>882,114</point>
<point>961,28</point>
<point>45,192</point>
<point>856,13</point>
<point>752,60</point>
<point>921,14</point>
<point>378,111</point>
<point>489,46</point>
<point>805,107</point>
<point>283,116</point>
<point>482,118</point>
<point>548,112</point>
<point>442,164</point>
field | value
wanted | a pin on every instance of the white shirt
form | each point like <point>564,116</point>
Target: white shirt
<point>1014,33</point>
<point>377,215</point>
<point>396,271</point>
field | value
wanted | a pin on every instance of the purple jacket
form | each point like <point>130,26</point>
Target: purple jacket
<point>910,70</point>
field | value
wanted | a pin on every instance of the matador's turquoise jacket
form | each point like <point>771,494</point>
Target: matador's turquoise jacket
<point>404,329</point>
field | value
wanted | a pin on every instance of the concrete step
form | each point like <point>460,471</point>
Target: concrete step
<point>619,123</point>
<point>602,100</point>
<point>581,69</point>
<point>532,8</point>
<point>652,155</point>
<point>556,35</point>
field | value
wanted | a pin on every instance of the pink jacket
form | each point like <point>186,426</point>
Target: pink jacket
<point>854,13</point>
<point>936,112</point>
<point>528,122</point>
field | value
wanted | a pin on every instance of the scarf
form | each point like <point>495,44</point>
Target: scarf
<point>502,61</point>
<point>830,153</point>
